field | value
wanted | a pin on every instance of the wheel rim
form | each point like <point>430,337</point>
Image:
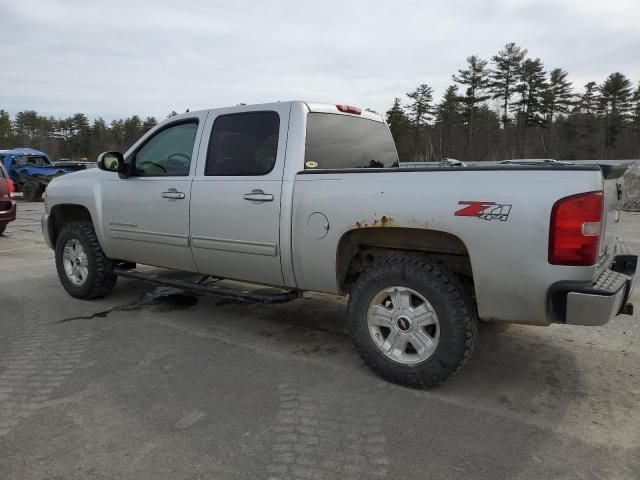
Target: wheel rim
<point>403,325</point>
<point>74,260</point>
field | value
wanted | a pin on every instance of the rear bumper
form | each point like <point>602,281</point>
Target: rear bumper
<point>596,304</point>
<point>8,214</point>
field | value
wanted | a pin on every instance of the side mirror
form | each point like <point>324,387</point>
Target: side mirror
<point>111,161</point>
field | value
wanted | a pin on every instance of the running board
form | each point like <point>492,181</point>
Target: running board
<point>215,290</point>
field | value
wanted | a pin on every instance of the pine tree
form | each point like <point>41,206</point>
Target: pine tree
<point>504,75</point>
<point>588,103</point>
<point>149,123</point>
<point>397,120</point>
<point>528,103</point>
<point>635,105</point>
<point>586,122</point>
<point>476,78</point>
<point>448,119</point>
<point>421,108</point>
<point>449,110</point>
<point>614,105</point>
<point>556,100</point>
<point>558,96</point>
<point>635,112</point>
<point>615,95</point>
<point>5,130</point>
<point>530,89</point>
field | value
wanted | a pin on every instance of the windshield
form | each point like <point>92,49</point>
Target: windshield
<point>30,161</point>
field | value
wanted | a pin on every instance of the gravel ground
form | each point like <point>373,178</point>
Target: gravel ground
<point>150,384</point>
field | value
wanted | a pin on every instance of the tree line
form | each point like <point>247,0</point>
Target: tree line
<point>507,107</point>
<point>75,137</point>
<point>511,107</point>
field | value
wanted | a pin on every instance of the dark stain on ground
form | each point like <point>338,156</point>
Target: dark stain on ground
<point>162,299</point>
<point>174,301</point>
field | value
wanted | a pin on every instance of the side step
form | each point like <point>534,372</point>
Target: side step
<point>215,290</point>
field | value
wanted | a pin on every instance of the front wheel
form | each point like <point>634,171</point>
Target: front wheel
<point>3,227</point>
<point>412,322</point>
<point>83,269</point>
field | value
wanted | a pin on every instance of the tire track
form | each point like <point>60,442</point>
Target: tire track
<point>322,437</point>
<point>39,360</point>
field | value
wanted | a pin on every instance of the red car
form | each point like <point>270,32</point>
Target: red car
<point>7,203</point>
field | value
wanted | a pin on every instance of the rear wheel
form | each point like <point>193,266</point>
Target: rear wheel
<point>412,321</point>
<point>32,191</point>
<point>84,270</point>
<point>3,226</point>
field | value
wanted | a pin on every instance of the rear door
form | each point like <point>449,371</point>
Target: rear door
<point>235,198</point>
<point>147,214</point>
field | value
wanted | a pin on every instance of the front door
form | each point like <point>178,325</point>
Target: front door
<point>235,199</point>
<point>147,214</point>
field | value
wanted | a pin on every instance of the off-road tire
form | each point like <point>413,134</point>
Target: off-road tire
<point>3,227</point>
<point>32,191</point>
<point>100,279</point>
<point>456,313</point>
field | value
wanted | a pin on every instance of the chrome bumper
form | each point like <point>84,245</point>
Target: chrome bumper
<point>595,309</point>
<point>46,230</point>
<point>598,303</point>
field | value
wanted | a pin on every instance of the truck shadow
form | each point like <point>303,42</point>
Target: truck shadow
<point>517,387</point>
<point>497,418</point>
<point>516,368</point>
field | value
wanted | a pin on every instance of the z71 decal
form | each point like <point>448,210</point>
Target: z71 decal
<point>484,210</point>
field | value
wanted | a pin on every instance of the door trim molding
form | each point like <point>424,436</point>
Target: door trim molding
<point>151,237</point>
<point>240,246</point>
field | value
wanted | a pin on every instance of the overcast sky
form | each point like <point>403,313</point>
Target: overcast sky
<point>116,58</point>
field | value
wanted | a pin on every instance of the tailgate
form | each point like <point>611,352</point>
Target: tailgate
<point>612,175</point>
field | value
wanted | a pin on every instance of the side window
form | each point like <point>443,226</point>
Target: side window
<point>168,153</point>
<point>243,144</point>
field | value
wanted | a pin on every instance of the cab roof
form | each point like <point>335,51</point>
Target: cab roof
<point>320,107</point>
<point>24,151</point>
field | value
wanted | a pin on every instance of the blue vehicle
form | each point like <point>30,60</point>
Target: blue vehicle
<point>32,170</point>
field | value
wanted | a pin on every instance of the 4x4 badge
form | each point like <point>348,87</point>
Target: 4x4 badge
<point>484,210</point>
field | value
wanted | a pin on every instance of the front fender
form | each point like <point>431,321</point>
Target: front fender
<point>84,189</point>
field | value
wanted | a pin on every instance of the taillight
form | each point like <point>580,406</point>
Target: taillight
<point>12,187</point>
<point>576,225</point>
<point>349,109</point>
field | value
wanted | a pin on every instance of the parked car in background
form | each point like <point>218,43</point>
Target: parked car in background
<point>32,170</point>
<point>309,197</point>
<point>7,203</point>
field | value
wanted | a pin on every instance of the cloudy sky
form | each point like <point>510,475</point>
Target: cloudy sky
<point>116,58</point>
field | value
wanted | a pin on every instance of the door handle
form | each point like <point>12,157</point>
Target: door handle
<point>257,195</point>
<point>172,194</point>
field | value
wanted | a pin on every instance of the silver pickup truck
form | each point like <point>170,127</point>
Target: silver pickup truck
<point>309,197</point>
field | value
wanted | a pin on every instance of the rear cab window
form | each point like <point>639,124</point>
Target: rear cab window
<point>336,141</point>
